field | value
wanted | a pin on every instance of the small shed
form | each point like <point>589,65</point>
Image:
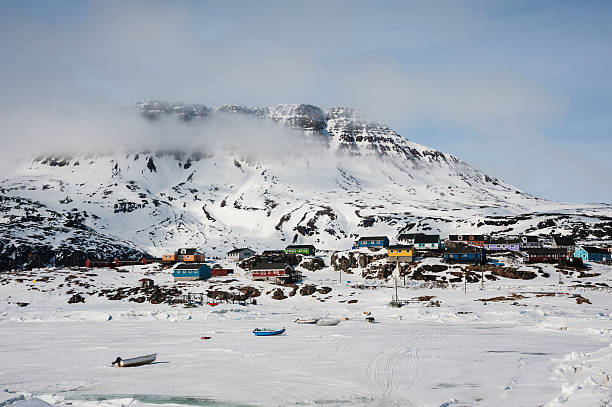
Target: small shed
<point>218,271</point>
<point>146,283</point>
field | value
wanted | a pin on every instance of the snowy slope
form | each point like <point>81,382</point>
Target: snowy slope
<point>336,176</point>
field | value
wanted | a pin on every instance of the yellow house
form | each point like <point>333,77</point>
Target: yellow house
<point>401,252</point>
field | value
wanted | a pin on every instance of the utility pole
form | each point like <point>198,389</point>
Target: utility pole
<point>465,282</point>
<point>482,279</point>
<point>340,275</point>
<point>396,298</point>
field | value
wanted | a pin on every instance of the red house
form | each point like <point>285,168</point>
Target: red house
<point>221,272</point>
<point>547,255</point>
<point>473,240</point>
<point>278,272</point>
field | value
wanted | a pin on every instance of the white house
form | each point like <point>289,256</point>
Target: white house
<point>240,254</point>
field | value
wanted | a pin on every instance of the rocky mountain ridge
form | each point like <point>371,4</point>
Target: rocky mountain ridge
<point>356,177</point>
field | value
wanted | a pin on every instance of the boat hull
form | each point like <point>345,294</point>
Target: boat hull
<point>139,361</point>
<point>306,321</point>
<point>328,322</point>
<point>269,333</point>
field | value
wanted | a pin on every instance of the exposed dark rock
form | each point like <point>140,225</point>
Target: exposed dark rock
<point>313,264</point>
<point>76,298</point>
<point>279,294</point>
<point>308,289</point>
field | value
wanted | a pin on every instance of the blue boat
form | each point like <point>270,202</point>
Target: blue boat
<point>268,332</point>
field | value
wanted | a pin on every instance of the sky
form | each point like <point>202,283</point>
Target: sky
<point>521,90</point>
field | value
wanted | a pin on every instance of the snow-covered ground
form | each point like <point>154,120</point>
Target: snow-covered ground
<point>540,350</point>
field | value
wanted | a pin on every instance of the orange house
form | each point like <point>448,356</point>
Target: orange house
<point>189,256</point>
<point>184,255</point>
<point>169,258</point>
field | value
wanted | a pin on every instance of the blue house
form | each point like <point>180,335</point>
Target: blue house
<point>373,241</point>
<point>465,254</point>
<point>192,272</point>
<point>590,253</point>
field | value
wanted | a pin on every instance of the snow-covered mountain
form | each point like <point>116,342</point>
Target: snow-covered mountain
<point>336,176</point>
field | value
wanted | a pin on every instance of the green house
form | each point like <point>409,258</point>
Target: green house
<point>305,249</point>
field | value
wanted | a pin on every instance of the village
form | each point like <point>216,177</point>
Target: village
<point>279,266</point>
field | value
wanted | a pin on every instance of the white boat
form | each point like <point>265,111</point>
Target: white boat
<point>138,361</point>
<point>327,322</point>
<point>306,321</point>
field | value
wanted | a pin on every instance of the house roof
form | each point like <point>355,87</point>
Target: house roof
<point>373,238</point>
<point>463,249</point>
<point>593,249</point>
<point>187,250</point>
<point>239,250</point>
<point>466,237</point>
<point>422,238</point>
<point>547,250</point>
<point>503,241</point>
<point>270,266</point>
<point>400,246</point>
<point>407,236</point>
<point>300,246</point>
<point>190,266</point>
<point>564,241</point>
<point>280,251</point>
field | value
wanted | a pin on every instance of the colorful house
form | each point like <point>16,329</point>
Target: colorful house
<point>189,255</point>
<point>465,254</point>
<point>400,252</point>
<point>591,253</point>
<point>218,271</point>
<point>278,272</point>
<point>373,241</point>
<point>503,245</point>
<point>427,242</point>
<point>305,249</point>
<point>474,240</point>
<point>240,254</point>
<point>546,255</point>
<point>192,272</point>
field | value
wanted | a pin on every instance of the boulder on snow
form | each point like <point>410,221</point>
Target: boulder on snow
<point>76,298</point>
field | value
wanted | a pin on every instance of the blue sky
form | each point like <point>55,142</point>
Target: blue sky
<point>519,89</point>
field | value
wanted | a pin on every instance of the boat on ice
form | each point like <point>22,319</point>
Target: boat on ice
<point>327,322</point>
<point>138,361</point>
<point>268,332</point>
<point>306,321</point>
